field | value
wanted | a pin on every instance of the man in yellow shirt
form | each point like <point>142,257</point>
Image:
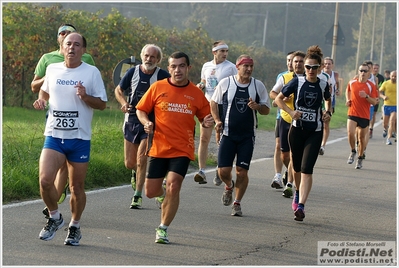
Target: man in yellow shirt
<point>388,94</point>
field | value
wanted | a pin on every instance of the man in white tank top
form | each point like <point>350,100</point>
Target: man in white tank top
<point>212,72</point>
<point>334,84</point>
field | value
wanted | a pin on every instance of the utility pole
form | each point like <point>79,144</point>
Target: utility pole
<point>285,27</point>
<point>372,35</point>
<point>264,29</point>
<point>335,33</point>
<point>360,34</point>
<point>382,36</point>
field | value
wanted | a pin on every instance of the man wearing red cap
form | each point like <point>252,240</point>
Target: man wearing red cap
<point>234,105</point>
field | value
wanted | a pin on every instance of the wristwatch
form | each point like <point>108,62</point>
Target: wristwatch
<point>367,96</point>
<point>329,113</point>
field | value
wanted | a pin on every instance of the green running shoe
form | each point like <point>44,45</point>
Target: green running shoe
<point>161,236</point>
<point>136,202</point>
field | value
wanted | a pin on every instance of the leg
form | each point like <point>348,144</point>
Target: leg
<point>205,137</point>
<point>50,163</point>
<point>61,181</point>
<point>362,139</point>
<point>241,182</point>
<point>77,178</point>
<point>130,151</point>
<point>225,175</point>
<point>305,187</point>
<point>171,202</point>
<point>326,133</point>
<point>141,165</point>
<point>278,163</point>
<point>392,124</point>
<point>351,129</point>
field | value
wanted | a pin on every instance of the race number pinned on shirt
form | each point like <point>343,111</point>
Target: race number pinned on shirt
<point>66,120</point>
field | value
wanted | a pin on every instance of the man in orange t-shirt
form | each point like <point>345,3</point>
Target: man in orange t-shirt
<point>360,93</point>
<point>175,101</point>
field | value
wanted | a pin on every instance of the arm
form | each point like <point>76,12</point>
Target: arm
<point>36,83</point>
<point>41,101</point>
<point>93,102</point>
<point>201,85</point>
<point>295,115</point>
<point>216,117</point>
<point>125,106</point>
<point>348,96</point>
<point>337,91</point>
<point>262,109</point>
<point>143,117</point>
<point>328,110</point>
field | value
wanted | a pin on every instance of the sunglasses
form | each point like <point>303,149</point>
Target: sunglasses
<point>313,67</point>
<point>363,71</point>
<point>63,33</point>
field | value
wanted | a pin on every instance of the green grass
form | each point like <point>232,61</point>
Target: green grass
<point>23,140</point>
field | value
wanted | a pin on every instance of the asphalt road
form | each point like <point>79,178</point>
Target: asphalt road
<point>345,204</point>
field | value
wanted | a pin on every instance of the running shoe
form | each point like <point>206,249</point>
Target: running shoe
<point>64,194</point>
<point>388,142</point>
<point>227,197</point>
<point>394,135</point>
<point>299,214</point>
<point>295,201</point>
<point>159,199</point>
<point>277,183</point>
<point>217,181</point>
<point>384,133</point>
<point>73,237</point>
<point>133,180</point>
<point>351,157</point>
<point>359,163</point>
<point>52,225</point>
<point>161,236</point>
<point>236,210</point>
<point>136,202</point>
<point>321,151</point>
<point>200,177</point>
<point>287,191</point>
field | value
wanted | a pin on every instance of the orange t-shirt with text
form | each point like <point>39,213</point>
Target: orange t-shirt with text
<point>174,109</point>
<point>360,107</point>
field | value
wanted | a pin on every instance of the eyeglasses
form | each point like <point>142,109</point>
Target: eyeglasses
<point>363,71</point>
<point>313,67</point>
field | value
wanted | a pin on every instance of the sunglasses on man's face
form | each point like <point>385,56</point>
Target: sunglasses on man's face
<point>64,33</point>
<point>313,67</point>
<point>363,71</point>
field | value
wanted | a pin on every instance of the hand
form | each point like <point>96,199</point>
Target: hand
<point>81,91</point>
<point>39,104</point>
<point>326,117</point>
<point>208,121</point>
<point>295,115</point>
<point>149,127</point>
<point>201,86</point>
<point>362,94</point>
<point>348,103</point>
<point>126,108</point>
<point>253,105</point>
<point>218,127</point>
